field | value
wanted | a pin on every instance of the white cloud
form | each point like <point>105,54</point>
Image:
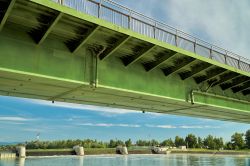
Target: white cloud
<point>32,130</point>
<point>109,125</point>
<point>198,127</point>
<point>161,126</point>
<point>225,24</point>
<point>13,118</point>
<point>12,123</point>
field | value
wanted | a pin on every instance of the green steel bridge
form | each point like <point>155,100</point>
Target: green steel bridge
<point>101,53</point>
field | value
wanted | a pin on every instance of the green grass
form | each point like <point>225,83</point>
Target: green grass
<point>48,150</point>
<point>92,151</point>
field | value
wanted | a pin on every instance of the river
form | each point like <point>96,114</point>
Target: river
<point>131,160</point>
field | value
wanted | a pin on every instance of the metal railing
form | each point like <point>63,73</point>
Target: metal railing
<point>137,22</point>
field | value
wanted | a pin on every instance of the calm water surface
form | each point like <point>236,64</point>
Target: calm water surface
<point>131,160</point>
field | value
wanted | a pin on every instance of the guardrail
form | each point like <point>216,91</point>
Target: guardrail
<point>127,18</point>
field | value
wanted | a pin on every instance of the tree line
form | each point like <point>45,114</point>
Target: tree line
<point>238,141</point>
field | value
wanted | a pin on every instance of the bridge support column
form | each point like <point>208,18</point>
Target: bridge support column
<point>79,150</point>
<point>122,150</point>
<point>21,151</point>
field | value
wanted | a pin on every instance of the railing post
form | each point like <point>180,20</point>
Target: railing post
<point>195,42</point>
<point>176,38</point>
<point>60,2</point>
<point>129,20</point>
<point>155,30</point>
<point>99,9</point>
<point>239,63</point>
<point>225,56</point>
<point>211,52</point>
<point>84,5</point>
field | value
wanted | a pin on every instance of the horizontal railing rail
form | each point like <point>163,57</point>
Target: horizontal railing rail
<point>135,21</point>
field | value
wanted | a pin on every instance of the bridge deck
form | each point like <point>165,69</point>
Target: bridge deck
<point>53,52</point>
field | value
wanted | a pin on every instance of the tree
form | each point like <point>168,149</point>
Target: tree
<point>112,143</point>
<point>200,143</point>
<point>209,142</point>
<point>167,142</point>
<point>154,142</point>
<point>179,141</point>
<point>237,141</point>
<point>218,143</point>
<point>128,142</point>
<point>191,141</point>
<point>229,145</point>
<point>247,139</point>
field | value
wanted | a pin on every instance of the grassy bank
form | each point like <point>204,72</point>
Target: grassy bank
<point>131,150</point>
<point>87,151</point>
<point>215,152</point>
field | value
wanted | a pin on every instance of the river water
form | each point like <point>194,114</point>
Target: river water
<point>131,160</point>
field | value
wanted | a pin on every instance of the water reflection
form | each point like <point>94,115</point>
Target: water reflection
<point>21,162</point>
<point>130,160</point>
<point>81,159</point>
<point>125,160</point>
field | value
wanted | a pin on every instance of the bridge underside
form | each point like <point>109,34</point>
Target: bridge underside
<point>55,53</point>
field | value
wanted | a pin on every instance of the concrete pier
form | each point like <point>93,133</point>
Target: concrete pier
<point>21,151</point>
<point>79,150</point>
<point>122,150</point>
<point>160,150</point>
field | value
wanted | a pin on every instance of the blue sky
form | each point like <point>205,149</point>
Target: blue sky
<point>220,22</point>
<point>22,119</point>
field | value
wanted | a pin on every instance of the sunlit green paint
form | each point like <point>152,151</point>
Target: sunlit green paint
<point>128,32</point>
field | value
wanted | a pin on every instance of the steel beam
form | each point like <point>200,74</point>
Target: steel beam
<point>246,92</point>
<point>65,93</point>
<point>210,75</point>
<point>184,62</point>
<point>116,46</point>
<point>135,58</point>
<point>7,13</point>
<point>50,27</point>
<point>235,82</point>
<point>153,65</point>
<point>84,40</point>
<point>241,88</point>
<point>226,77</point>
<point>195,70</point>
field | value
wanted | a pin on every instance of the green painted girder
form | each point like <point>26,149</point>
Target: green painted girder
<point>225,78</point>
<point>51,25</point>
<point>195,70</point>
<point>245,86</point>
<point>235,82</point>
<point>135,58</point>
<point>213,73</point>
<point>122,30</point>
<point>246,92</point>
<point>180,65</point>
<point>153,65</point>
<point>7,13</point>
<point>53,98</point>
<point>74,47</point>
<point>46,24</point>
<point>116,46</point>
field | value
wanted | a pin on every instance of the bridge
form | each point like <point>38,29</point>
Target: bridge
<point>101,53</point>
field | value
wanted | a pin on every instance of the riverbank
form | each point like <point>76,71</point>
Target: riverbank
<point>103,151</point>
<point>87,151</point>
<point>212,152</point>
